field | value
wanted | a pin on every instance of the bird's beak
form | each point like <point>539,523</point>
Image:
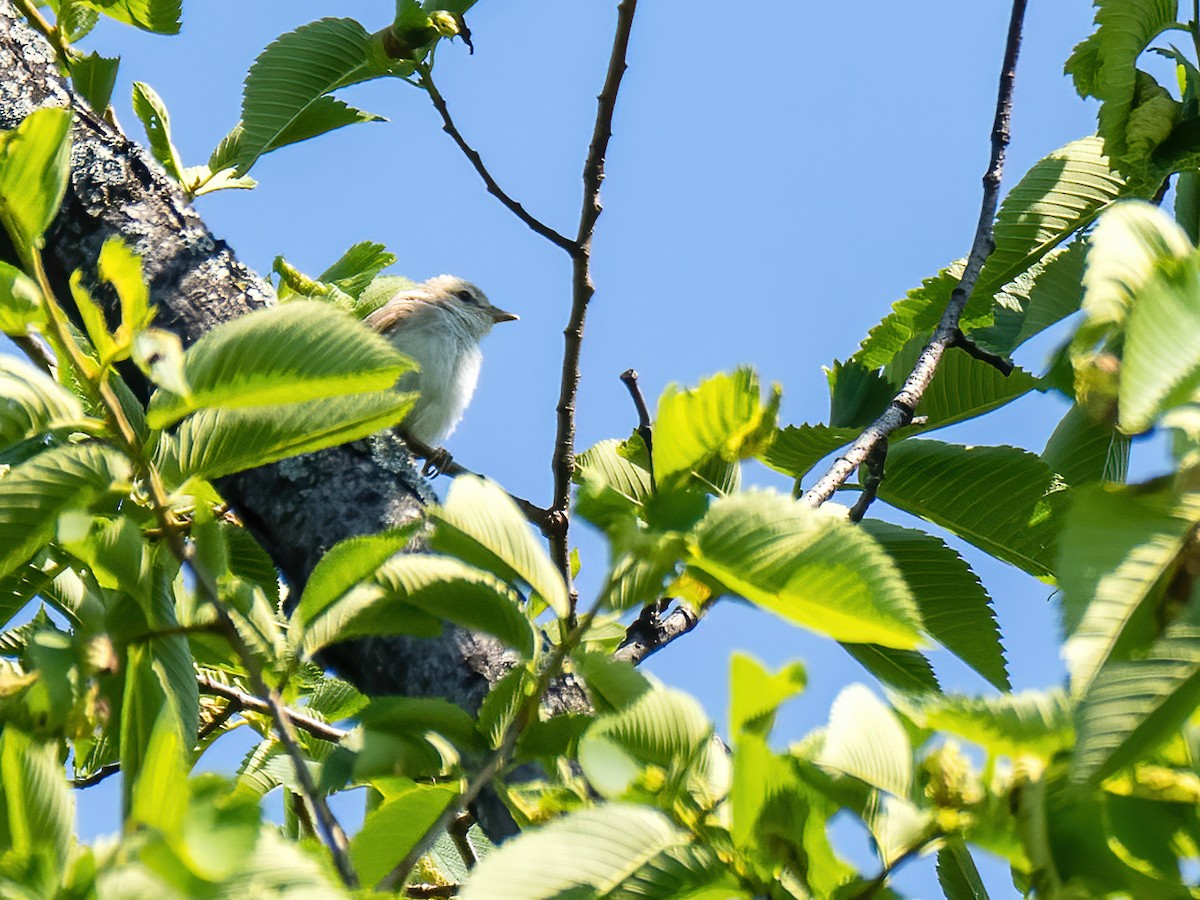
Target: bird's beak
<point>500,315</point>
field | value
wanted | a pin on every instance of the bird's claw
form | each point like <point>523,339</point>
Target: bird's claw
<point>437,463</point>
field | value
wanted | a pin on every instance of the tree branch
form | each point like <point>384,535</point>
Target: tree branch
<point>643,639</point>
<point>629,378</point>
<point>563,461</point>
<point>900,412</point>
<point>240,699</point>
<point>472,155</point>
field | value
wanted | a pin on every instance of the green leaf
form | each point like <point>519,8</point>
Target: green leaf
<point>1128,247</point>
<point>38,808</point>
<point>119,266</point>
<point>162,775</point>
<point>957,875</point>
<point>955,608</point>
<point>866,740</point>
<point>1103,65</point>
<point>392,829</point>
<point>355,268</point>
<point>286,87</point>
<point>1037,723</point>
<point>903,670</point>
<point>284,354</point>
<point>36,493</point>
<point>214,443</point>
<point>755,694</point>
<point>159,354</point>
<point>1133,706</point>
<point>964,387</point>
<point>35,162</point>
<point>1044,294</point>
<point>1118,547</point>
<point>724,418</point>
<point>1083,451</point>
<point>34,404</point>
<point>158,16</point>
<point>1061,194</point>
<point>917,314</point>
<point>611,683</point>
<point>997,498</point>
<point>808,568</point>
<point>481,524</point>
<point>797,448</point>
<point>20,301</point>
<point>345,565</point>
<point>613,486</point>
<point>94,77</point>
<point>857,395</point>
<point>149,107</point>
<point>74,19</point>
<point>587,853</point>
<point>665,728</point>
<point>1161,363</point>
<point>435,587</point>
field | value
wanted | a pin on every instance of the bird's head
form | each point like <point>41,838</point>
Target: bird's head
<point>467,303</point>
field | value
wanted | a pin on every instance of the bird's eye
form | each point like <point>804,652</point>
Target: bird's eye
<point>465,297</point>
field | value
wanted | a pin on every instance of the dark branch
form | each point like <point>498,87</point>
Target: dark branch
<point>645,637</point>
<point>315,727</point>
<point>874,476</point>
<point>900,412</point>
<point>534,513</point>
<point>969,347</point>
<point>630,379</point>
<point>472,155</point>
<point>96,777</point>
<point>582,289</point>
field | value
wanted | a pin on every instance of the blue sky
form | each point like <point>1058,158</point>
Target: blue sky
<point>779,175</point>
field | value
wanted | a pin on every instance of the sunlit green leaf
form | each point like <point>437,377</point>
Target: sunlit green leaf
<point>392,829</point>
<point>587,853</point>
<point>866,740</point>
<point>34,165</point>
<point>286,87</point>
<point>158,16</point>
<point>723,418</point>
<point>481,524</point>
<point>149,107</point>
<point>1032,722</point>
<point>807,567</point>
<point>94,77</point>
<point>284,354</point>
<point>217,442</point>
<point>34,494</point>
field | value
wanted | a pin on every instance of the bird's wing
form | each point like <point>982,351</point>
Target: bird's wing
<point>390,315</point>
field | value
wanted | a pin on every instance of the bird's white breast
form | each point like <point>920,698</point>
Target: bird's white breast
<point>450,361</point>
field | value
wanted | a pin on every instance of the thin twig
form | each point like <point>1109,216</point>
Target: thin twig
<point>228,711</point>
<point>472,155</point>
<point>96,777</point>
<point>52,33</point>
<point>534,513</point>
<point>900,412</point>
<point>642,642</point>
<point>972,349</point>
<point>240,699</point>
<point>460,833</point>
<point>563,462</point>
<point>432,890</point>
<point>629,378</point>
<point>874,477</point>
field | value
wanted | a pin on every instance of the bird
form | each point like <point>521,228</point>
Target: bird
<point>439,324</point>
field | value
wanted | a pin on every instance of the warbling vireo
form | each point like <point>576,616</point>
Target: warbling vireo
<point>439,323</point>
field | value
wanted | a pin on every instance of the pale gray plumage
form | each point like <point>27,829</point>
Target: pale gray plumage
<point>439,323</point>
